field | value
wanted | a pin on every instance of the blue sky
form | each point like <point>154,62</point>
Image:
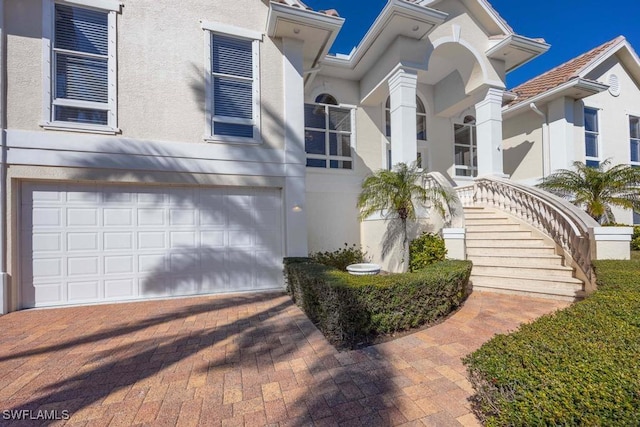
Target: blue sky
<point>571,27</point>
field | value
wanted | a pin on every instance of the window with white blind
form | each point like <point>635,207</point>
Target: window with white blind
<point>233,93</point>
<point>80,84</point>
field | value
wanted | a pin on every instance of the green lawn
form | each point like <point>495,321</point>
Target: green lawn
<point>635,255</point>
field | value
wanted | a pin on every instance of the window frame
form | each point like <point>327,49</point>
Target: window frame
<point>328,157</point>
<point>111,8</point>
<point>591,160</point>
<point>210,29</point>
<point>473,150</point>
<point>633,139</point>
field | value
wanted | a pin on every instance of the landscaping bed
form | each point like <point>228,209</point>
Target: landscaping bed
<point>578,366</point>
<point>352,310</point>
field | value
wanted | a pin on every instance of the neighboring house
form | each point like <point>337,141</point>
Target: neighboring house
<point>587,110</point>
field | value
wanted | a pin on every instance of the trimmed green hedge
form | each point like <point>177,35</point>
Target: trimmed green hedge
<point>351,309</point>
<point>580,366</point>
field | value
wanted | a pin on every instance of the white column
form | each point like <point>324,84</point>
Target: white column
<point>295,157</point>
<point>402,89</point>
<point>489,134</point>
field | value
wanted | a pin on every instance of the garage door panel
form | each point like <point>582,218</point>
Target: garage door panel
<point>44,294</point>
<point>152,263</point>
<point>47,268</point>
<point>119,288</point>
<point>151,217</point>
<point>82,291</point>
<point>150,240</point>
<point>182,239</point>
<point>118,241</point>
<point>84,244</point>
<point>82,217</point>
<point>46,217</point>
<point>117,217</point>
<point>83,266</point>
<point>182,217</point>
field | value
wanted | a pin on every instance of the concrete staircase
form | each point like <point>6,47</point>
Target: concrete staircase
<point>508,257</point>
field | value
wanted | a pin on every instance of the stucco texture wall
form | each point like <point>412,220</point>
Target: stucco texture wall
<point>160,67</point>
<point>522,146</point>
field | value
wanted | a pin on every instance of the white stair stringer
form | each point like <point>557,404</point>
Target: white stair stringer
<point>510,257</point>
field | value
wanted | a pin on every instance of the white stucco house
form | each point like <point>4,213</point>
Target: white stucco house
<point>148,153</point>
<point>586,110</point>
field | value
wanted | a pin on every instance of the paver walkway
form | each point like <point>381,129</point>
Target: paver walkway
<point>239,360</point>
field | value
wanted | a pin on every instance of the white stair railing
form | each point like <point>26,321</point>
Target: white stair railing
<point>568,226</point>
<point>454,216</point>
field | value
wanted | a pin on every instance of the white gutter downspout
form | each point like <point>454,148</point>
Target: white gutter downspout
<point>546,148</point>
<point>4,297</point>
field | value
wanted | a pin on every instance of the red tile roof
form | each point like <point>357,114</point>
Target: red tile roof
<point>561,74</point>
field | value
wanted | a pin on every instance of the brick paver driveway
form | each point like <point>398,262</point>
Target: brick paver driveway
<point>238,360</point>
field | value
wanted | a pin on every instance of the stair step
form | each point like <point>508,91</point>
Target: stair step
<point>484,215</point>
<point>549,286</point>
<point>473,227</point>
<point>520,250</point>
<point>501,235</point>
<point>488,221</point>
<point>504,242</point>
<point>531,271</point>
<point>524,259</point>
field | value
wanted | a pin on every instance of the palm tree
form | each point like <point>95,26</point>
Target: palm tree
<point>597,189</point>
<point>399,192</point>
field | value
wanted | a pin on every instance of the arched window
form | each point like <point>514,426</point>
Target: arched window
<point>421,131</point>
<point>325,98</point>
<point>328,134</point>
<point>466,156</point>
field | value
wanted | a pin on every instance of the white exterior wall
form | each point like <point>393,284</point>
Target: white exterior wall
<point>522,146</point>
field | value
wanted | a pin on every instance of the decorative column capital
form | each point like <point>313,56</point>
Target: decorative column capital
<point>403,77</point>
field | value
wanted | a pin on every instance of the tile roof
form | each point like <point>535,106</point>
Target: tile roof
<point>561,74</point>
<point>301,5</point>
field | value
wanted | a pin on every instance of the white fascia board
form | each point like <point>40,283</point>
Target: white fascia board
<point>533,47</point>
<point>302,17</point>
<point>582,84</point>
<point>496,18</point>
<point>629,58</point>
<point>113,5</point>
<point>394,7</point>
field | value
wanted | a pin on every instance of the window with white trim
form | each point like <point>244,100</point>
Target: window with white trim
<point>591,137</point>
<point>328,134</point>
<point>421,132</point>
<point>634,139</point>
<point>465,152</point>
<point>233,98</point>
<point>80,85</point>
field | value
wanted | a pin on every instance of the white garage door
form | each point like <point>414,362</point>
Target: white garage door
<point>83,244</point>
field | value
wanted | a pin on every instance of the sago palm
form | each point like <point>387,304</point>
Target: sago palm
<point>597,189</point>
<point>399,193</point>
